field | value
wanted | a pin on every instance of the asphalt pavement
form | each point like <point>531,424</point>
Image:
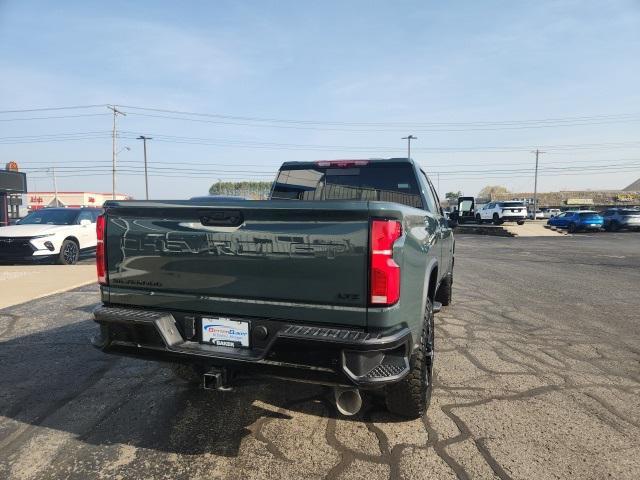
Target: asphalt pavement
<point>537,376</point>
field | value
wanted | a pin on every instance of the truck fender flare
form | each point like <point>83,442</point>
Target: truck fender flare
<point>431,266</point>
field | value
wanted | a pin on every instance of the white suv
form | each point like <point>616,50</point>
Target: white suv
<point>499,212</point>
<point>551,212</point>
<point>59,234</point>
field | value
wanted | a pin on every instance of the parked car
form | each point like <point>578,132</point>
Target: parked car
<point>575,221</point>
<point>550,212</point>
<point>59,234</point>
<point>539,215</point>
<point>334,280</point>
<point>500,212</point>
<point>620,218</point>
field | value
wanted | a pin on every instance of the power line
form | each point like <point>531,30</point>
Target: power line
<point>47,109</point>
<point>578,120</point>
<point>271,176</point>
<point>222,142</point>
<point>454,173</point>
<point>54,140</point>
<point>597,117</point>
<point>54,117</point>
<point>236,162</point>
<point>55,135</point>
<point>394,129</point>
<point>524,148</point>
<point>635,116</point>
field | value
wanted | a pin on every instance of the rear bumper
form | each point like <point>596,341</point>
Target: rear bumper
<point>308,353</point>
<point>590,226</point>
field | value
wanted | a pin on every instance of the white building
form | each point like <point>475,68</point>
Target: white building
<point>37,200</point>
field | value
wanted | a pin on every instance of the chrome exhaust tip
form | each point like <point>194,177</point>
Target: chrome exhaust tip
<point>348,400</point>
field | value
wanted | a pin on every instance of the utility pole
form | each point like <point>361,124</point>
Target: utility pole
<point>408,139</point>
<point>116,112</point>
<point>146,180</point>
<point>535,184</point>
<point>55,186</point>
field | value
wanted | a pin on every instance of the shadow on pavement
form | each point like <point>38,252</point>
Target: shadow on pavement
<point>55,379</point>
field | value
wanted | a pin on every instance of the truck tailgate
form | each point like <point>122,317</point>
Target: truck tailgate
<point>261,258</point>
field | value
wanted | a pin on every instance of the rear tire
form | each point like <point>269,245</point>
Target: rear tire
<point>573,228</point>
<point>478,219</point>
<point>69,253</point>
<point>410,397</point>
<point>445,290</point>
<point>496,219</point>
<point>520,222</point>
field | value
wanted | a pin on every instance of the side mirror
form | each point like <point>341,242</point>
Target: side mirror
<point>85,222</point>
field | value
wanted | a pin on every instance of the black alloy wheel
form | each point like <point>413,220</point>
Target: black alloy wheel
<point>69,253</point>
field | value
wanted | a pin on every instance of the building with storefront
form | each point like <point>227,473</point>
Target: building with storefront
<point>596,199</point>
<point>37,200</point>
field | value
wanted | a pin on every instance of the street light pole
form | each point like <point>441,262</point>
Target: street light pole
<point>146,179</point>
<point>408,139</point>
<point>116,112</point>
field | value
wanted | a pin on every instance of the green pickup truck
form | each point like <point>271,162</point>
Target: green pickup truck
<point>334,280</point>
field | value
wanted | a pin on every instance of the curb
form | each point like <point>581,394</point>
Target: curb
<point>48,294</point>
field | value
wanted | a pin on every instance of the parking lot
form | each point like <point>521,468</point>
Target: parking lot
<point>537,376</point>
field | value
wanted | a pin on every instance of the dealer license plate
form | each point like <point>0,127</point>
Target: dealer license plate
<point>225,332</point>
<point>594,224</point>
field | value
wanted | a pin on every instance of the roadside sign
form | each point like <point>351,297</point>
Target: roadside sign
<point>13,182</point>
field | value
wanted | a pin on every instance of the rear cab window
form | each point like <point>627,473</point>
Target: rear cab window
<point>359,180</point>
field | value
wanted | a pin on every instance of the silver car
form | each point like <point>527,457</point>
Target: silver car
<point>619,218</point>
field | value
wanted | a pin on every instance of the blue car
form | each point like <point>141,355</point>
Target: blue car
<point>576,221</point>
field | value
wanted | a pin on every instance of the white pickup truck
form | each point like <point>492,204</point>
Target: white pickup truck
<point>500,212</point>
<point>58,234</point>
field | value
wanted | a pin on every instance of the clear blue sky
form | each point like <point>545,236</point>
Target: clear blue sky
<point>389,63</point>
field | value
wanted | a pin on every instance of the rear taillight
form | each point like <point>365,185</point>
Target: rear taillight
<point>101,258</point>
<point>385,272</point>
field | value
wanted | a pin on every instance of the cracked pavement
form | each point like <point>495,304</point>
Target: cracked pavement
<point>537,375</point>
